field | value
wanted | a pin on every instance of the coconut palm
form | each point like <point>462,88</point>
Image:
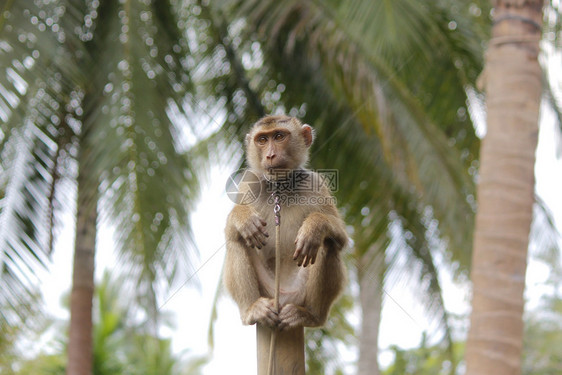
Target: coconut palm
<point>513,84</point>
<point>90,96</point>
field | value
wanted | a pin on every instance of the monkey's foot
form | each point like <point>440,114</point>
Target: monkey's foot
<point>292,316</point>
<point>263,312</point>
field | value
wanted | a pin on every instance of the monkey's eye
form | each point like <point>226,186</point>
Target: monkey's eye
<point>279,136</point>
<point>262,140</point>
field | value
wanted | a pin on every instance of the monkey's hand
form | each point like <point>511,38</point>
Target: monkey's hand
<point>263,312</point>
<point>292,316</point>
<point>307,243</point>
<point>253,231</point>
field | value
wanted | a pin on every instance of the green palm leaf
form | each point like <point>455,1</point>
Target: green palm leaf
<point>106,81</point>
<point>135,143</point>
<point>33,137</point>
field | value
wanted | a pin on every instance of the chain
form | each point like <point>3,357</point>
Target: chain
<point>277,209</point>
<point>273,338</point>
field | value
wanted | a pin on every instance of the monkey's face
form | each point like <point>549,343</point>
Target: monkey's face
<point>274,150</point>
<point>278,145</point>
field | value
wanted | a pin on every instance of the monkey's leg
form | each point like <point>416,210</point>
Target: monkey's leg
<point>240,278</point>
<point>324,284</point>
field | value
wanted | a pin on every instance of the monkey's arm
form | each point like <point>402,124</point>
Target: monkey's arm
<point>319,228</point>
<point>245,223</point>
<point>240,279</point>
<point>244,229</point>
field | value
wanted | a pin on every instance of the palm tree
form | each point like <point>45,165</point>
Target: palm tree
<point>92,93</point>
<point>513,85</point>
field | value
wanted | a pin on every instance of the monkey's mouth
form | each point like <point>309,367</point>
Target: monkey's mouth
<point>276,166</point>
<point>277,169</point>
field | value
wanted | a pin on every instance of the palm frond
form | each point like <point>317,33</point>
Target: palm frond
<point>136,146</point>
<point>420,242</point>
<point>34,135</point>
<point>106,81</point>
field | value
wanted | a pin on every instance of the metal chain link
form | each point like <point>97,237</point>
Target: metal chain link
<point>277,209</point>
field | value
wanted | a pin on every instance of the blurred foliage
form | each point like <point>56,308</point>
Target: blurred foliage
<point>15,337</point>
<point>543,324</point>
<point>543,334</point>
<point>323,345</point>
<point>122,345</point>
<point>425,360</point>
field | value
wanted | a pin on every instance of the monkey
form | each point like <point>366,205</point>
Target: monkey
<point>312,233</point>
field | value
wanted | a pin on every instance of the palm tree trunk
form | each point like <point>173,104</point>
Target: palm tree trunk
<point>505,189</point>
<point>80,356</point>
<point>288,355</point>
<point>370,297</point>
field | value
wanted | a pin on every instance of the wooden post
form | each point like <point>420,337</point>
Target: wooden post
<point>289,351</point>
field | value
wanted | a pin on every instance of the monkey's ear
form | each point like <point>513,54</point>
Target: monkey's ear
<point>307,134</point>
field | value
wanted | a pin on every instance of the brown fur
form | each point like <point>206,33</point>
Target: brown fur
<point>312,236</point>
